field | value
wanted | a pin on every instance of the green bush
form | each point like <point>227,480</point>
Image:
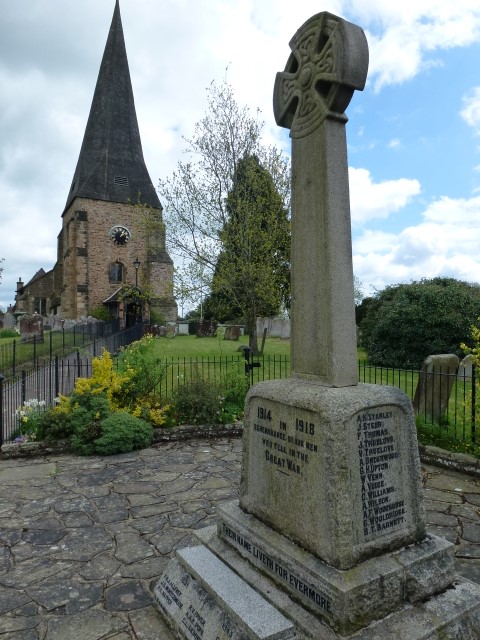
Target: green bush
<point>235,387</point>
<point>56,425</point>
<point>405,323</point>
<point>157,318</point>
<point>77,417</point>
<point>208,402</point>
<point>101,313</point>
<point>198,402</point>
<point>8,333</point>
<point>121,433</point>
<point>144,368</point>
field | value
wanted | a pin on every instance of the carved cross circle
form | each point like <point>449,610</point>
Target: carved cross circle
<point>329,60</point>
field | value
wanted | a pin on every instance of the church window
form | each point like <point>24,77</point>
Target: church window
<point>40,306</point>
<point>121,180</point>
<point>116,272</point>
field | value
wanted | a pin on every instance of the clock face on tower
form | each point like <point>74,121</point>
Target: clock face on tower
<point>119,235</point>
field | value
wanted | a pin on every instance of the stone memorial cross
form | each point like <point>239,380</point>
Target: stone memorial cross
<point>329,60</point>
<point>328,537</point>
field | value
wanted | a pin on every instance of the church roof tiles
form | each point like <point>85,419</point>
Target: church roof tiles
<point>111,166</point>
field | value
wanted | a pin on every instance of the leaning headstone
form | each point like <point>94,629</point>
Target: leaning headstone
<point>330,526</point>
<point>232,332</point>
<point>465,368</point>
<point>31,327</point>
<point>434,386</point>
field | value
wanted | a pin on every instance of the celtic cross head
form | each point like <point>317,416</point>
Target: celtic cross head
<point>329,60</point>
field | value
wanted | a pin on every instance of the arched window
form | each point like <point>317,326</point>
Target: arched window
<point>116,272</point>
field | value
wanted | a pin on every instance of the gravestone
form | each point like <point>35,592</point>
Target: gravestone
<point>437,377</point>
<point>276,327</point>
<point>465,368</point>
<point>232,332</point>
<point>206,328</point>
<point>329,529</point>
<point>8,321</point>
<point>31,327</point>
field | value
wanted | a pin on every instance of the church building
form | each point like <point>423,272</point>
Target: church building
<point>111,249</point>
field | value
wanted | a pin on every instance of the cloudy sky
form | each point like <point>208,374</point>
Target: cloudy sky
<point>413,133</point>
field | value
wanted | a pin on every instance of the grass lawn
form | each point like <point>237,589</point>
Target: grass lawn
<point>193,347</point>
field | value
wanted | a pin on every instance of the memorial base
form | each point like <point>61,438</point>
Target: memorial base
<point>213,592</point>
<point>453,614</point>
<point>345,600</point>
<point>327,540</point>
<point>201,598</point>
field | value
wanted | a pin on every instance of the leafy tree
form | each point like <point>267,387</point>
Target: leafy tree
<point>361,309</point>
<point>405,323</point>
<point>253,269</point>
<point>220,305</point>
<point>195,196</point>
<point>357,290</point>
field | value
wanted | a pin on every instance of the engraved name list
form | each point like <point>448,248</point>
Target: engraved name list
<point>383,505</point>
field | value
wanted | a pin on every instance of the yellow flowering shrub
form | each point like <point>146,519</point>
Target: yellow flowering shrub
<point>475,350</point>
<point>152,411</point>
<point>105,379</point>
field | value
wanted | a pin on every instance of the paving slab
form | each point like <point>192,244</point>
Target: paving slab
<point>83,540</point>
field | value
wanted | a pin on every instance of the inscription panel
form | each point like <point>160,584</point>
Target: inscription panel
<point>286,437</point>
<point>380,471</point>
<point>190,609</point>
<point>314,597</point>
<point>334,470</point>
<point>285,477</point>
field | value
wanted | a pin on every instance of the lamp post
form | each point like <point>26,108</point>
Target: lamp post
<point>136,264</point>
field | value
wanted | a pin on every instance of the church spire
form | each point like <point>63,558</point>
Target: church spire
<point>111,165</point>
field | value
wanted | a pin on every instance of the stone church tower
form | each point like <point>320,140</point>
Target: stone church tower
<point>112,236</point>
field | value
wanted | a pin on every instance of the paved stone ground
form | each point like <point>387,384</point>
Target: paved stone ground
<point>84,539</point>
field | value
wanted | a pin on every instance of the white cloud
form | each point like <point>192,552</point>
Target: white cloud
<point>404,36</point>
<point>393,144</point>
<point>370,200</point>
<point>444,243</point>
<point>471,110</point>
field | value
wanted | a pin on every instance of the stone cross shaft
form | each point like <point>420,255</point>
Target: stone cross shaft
<point>329,60</point>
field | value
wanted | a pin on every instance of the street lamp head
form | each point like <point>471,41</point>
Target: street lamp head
<point>136,264</point>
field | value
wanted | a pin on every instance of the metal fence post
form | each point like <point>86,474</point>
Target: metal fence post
<point>57,379</point>
<point>2,378</point>
<point>474,394</point>
<point>24,386</point>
